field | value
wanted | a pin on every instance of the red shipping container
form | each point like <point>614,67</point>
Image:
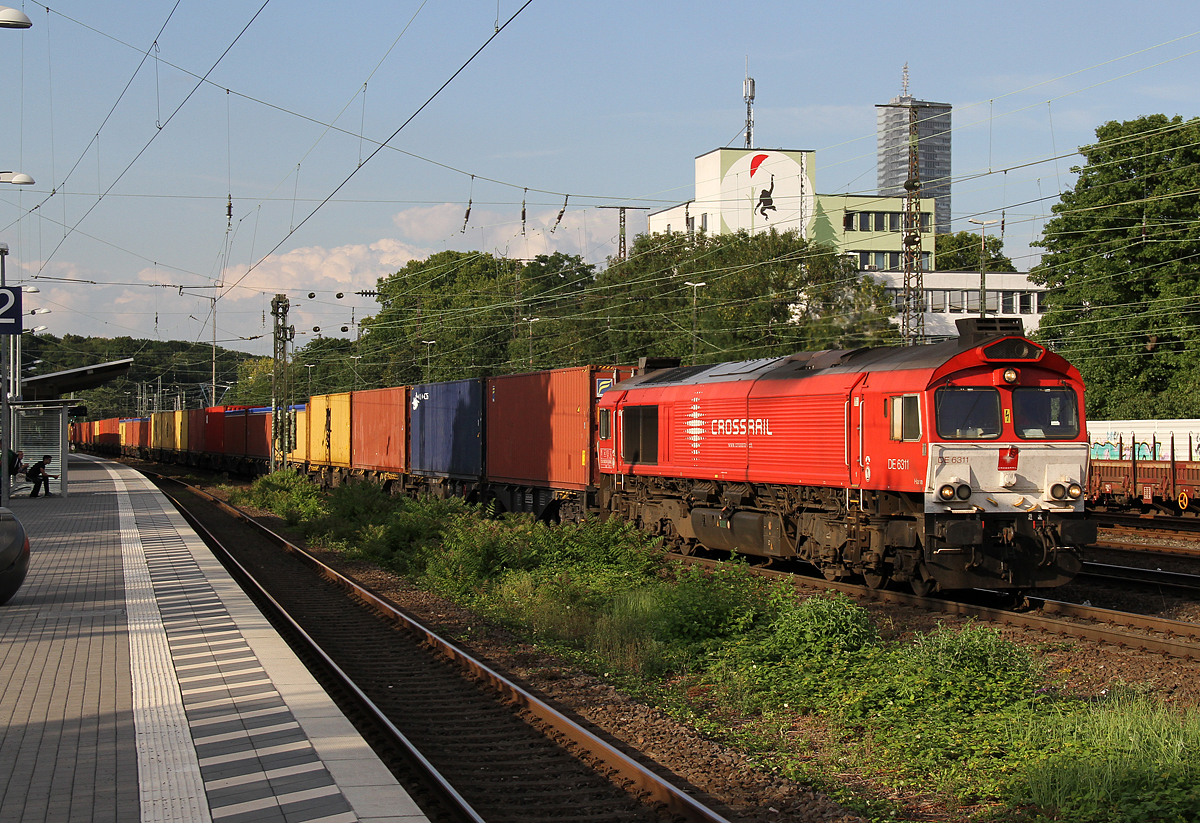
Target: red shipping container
<point>196,431</point>
<point>379,429</point>
<point>235,431</point>
<point>214,429</point>
<point>539,426</point>
<point>258,433</point>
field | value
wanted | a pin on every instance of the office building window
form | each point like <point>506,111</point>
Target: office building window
<point>894,262</point>
<point>880,260</point>
<point>1008,302</point>
<point>880,221</point>
<point>894,221</point>
<point>937,300</point>
<point>1026,302</point>
<point>864,259</point>
<point>848,223</point>
<point>956,301</point>
<point>925,219</point>
<point>704,222</point>
<point>864,221</point>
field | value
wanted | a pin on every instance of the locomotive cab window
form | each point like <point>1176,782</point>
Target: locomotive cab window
<point>1045,414</point>
<point>967,413</point>
<point>905,417</point>
<point>639,434</point>
<point>604,424</point>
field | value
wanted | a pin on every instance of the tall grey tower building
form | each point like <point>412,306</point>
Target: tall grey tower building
<point>933,151</point>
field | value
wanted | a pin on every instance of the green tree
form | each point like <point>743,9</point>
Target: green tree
<point>181,370</point>
<point>960,252</point>
<point>763,295</point>
<point>1121,264</point>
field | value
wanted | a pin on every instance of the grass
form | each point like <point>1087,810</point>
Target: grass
<point>960,715</point>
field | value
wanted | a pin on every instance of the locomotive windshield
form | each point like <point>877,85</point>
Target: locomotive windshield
<point>1045,414</point>
<point>967,413</point>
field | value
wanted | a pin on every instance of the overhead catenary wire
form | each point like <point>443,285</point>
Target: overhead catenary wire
<point>556,224</point>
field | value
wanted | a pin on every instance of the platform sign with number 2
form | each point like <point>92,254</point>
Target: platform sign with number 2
<point>10,309</point>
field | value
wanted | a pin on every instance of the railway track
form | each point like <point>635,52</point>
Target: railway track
<point>1172,638</point>
<point>478,746</point>
<point>1186,584</point>
<point>1156,525</point>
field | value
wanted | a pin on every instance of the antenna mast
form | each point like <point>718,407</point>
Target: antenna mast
<point>748,96</point>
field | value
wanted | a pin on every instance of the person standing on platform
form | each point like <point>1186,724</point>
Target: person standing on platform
<point>38,477</point>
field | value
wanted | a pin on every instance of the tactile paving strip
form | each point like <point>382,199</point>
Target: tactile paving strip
<point>253,758</point>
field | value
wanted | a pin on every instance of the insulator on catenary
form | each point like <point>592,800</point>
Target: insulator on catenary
<point>561,212</point>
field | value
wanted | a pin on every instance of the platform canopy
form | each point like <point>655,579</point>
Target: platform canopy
<point>55,385</point>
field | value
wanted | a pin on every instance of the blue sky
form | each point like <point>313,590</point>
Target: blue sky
<point>607,103</point>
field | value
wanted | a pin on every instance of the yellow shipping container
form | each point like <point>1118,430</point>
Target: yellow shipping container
<point>181,431</point>
<point>162,430</point>
<point>329,429</point>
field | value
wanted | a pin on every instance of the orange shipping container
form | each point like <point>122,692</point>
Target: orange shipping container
<point>379,438</point>
<point>540,425</point>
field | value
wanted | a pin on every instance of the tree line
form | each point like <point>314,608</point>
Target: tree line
<point>1121,265</point>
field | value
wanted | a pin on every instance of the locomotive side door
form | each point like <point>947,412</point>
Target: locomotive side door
<point>856,451</point>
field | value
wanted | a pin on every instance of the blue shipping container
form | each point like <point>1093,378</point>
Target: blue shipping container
<point>446,429</point>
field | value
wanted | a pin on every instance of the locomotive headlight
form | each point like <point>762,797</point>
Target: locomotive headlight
<point>1010,375</point>
<point>1074,491</point>
<point>963,491</point>
<point>946,492</point>
<point>1058,491</point>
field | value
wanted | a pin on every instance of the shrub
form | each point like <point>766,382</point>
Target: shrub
<point>286,493</point>
<point>706,605</point>
<point>821,625</point>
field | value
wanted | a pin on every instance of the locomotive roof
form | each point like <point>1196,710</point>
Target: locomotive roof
<point>830,361</point>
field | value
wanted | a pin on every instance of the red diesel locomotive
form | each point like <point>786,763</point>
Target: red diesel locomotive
<point>949,466</point>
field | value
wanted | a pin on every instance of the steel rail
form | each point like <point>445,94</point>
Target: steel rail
<point>1139,522</point>
<point>1147,549</point>
<point>1163,641</point>
<point>1186,583</point>
<point>630,771</point>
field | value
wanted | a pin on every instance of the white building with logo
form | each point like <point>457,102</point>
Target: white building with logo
<point>746,189</point>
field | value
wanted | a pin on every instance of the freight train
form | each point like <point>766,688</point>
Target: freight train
<point>949,466</point>
<point>1145,466</point>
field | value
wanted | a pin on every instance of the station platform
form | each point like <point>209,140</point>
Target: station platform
<point>138,682</point>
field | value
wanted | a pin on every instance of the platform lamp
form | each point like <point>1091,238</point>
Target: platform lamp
<point>531,321</point>
<point>695,288</point>
<point>9,19</point>
<point>18,390</point>
<point>428,357</point>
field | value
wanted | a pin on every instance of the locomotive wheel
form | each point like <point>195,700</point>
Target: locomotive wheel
<point>876,580</point>
<point>922,587</point>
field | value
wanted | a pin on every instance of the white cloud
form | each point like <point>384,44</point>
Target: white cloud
<point>429,224</point>
<point>588,232</point>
